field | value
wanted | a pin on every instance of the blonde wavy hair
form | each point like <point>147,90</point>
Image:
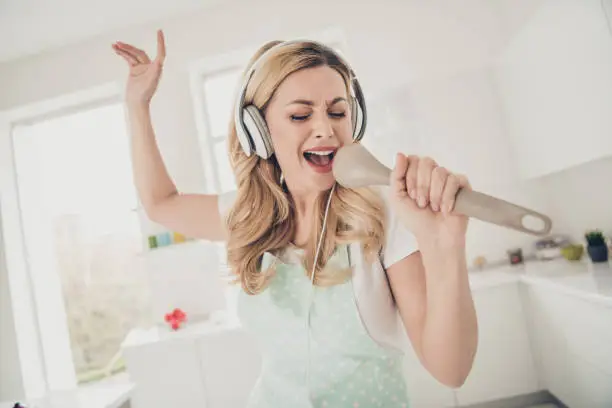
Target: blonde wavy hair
<point>263,219</point>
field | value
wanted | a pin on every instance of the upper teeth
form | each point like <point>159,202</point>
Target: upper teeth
<point>322,152</point>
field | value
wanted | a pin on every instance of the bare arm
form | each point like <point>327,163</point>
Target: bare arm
<point>431,286</point>
<point>432,292</point>
<point>195,215</point>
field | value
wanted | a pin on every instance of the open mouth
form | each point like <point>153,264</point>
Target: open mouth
<point>320,158</point>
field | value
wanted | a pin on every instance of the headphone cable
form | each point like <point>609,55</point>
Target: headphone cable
<point>314,266</point>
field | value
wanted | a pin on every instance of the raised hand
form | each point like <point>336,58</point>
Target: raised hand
<point>144,74</point>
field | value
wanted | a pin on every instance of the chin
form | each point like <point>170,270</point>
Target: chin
<point>319,178</point>
<point>323,182</point>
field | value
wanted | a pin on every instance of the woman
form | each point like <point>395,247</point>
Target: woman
<point>324,269</point>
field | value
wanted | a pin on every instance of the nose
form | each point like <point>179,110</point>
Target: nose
<point>322,126</point>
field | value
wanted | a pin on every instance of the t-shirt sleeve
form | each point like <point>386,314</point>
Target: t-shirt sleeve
<point>399,241</point>
<point>225,202</point>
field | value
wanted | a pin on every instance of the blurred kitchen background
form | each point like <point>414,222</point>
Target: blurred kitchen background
<point>516,94</point>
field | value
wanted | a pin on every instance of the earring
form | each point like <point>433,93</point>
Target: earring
<point>282,179</point>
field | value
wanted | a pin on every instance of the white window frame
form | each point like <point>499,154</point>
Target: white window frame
<point>40,372</point>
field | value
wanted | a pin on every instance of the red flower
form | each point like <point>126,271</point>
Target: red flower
<point>176,318</point>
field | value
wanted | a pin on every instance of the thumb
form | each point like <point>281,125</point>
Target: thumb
<point>399,190</point>
<point>155,71</point>
<point>397,177</point>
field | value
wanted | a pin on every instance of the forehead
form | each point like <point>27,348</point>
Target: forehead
<point>316,84</point>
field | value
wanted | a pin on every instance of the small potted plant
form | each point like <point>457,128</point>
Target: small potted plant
<point>596,246</point>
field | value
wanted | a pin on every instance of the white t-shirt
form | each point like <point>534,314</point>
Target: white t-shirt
<point>372,292</point>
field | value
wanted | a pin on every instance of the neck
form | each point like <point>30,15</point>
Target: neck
<point>304,202</point>
<point>304,213</point>
<point>305,199</point>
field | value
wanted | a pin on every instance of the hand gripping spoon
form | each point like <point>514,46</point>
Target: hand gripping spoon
<point>354,167</point>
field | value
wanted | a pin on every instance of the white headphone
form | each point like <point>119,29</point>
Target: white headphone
<point>251,127</point>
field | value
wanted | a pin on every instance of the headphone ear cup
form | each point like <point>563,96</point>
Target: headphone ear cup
<point>354,114</point>
<point>356,118</point>
<point>258,131</point>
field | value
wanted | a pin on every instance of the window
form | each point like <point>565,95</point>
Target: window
<point>82,237</point>
<point>219,91</point>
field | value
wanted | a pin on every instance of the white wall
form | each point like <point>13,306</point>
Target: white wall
<point>413,42</point>
<point>581,198</point>
<point>385,54</point>
<point>464,131</point>
<point>434,55</point>
<point>556,78</point>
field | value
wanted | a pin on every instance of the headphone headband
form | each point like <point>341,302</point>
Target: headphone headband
<point>250,124</point>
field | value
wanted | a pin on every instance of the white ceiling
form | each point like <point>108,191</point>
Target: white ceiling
<point>30,26</point>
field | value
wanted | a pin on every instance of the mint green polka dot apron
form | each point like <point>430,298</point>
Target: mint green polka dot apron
<point>340,366</point>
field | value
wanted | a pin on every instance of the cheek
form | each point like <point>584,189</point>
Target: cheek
<point>345,132</point>
<point>287,139</point>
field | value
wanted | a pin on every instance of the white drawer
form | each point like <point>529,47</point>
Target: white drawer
<point>582,314</point>
<point>585,327</point>
<point>588,346</point>
<point>589,387</point>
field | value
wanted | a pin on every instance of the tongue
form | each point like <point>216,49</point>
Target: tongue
<point>318,159</point>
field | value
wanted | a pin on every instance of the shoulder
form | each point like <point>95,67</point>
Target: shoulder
<point>389,216</point>
<point>225,202</point>
<point>384,193</point>
<point>399,242</point>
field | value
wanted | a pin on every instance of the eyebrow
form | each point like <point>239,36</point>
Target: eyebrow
<point>310,103</point>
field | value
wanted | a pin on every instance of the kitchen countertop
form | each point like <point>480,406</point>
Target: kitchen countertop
<point>219,322</point>
<point>592,282</point>
<point>583,279</point>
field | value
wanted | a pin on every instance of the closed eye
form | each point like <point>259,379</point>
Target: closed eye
<point>337,115</point>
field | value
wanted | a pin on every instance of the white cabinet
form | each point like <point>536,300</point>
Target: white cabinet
<point>555,83</point>
<point>231,364</point>
<point>166,374</point>
<point>573,338</point>
<point>532,337</point>
<point>504,364</point>
<point>424,390</point>
<point>549,345</point>
<point>204,365</point>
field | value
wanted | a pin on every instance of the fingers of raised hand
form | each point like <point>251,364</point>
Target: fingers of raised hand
<point>131,54</point>
<point>127,56</point>
<point>135,56</point>
<point>161,48</point>
<point>137,53</point>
